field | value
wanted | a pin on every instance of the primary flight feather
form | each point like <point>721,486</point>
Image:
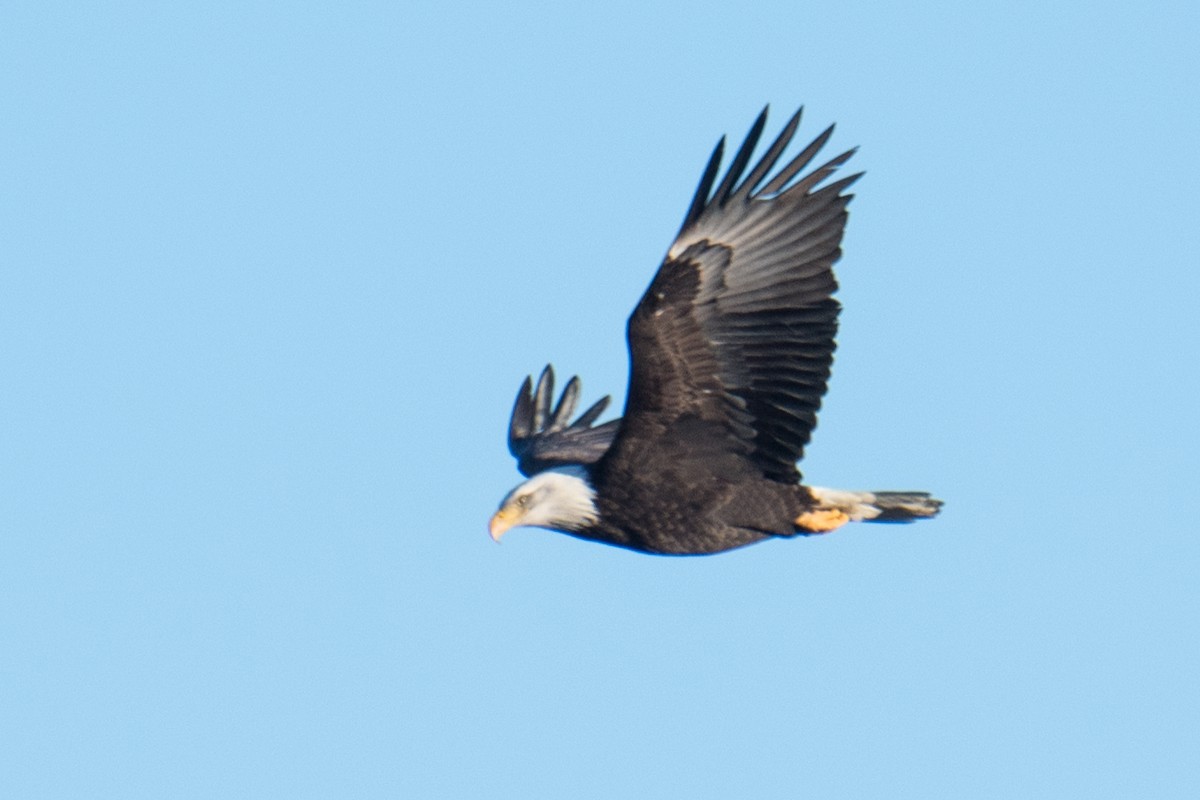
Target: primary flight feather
<point>730,352</point>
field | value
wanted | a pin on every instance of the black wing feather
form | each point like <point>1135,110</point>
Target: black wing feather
<point>700,199</point>
<point>740,160</point>
<point>800,162</point>
<point>771,157</point>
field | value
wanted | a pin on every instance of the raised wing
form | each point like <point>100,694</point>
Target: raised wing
<point>737,328</point>
<point>542,436</point>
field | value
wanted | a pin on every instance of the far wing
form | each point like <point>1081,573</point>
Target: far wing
<point>738,324</point>
<point>541,436</point>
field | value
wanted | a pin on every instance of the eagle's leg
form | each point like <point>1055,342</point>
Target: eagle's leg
<point>821,520</point>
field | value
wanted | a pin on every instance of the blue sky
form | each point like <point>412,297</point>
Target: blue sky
<point>271,273</point>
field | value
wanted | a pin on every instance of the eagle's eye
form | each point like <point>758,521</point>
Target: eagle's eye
<point>523,500</point>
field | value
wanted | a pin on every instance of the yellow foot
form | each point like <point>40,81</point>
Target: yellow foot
<point>821,520</point>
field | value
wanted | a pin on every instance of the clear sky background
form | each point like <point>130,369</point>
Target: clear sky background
<point>271,273</point>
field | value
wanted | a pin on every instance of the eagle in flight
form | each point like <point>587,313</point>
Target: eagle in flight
<point>730,352</point>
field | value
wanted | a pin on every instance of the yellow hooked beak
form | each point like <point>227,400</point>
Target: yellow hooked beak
<point>501,521</point>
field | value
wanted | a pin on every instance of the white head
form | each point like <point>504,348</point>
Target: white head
<point>558,498</point>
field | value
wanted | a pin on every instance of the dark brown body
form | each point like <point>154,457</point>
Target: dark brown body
<point>698,499</point>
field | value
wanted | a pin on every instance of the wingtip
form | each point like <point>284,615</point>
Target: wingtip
<point>547,376</point>
<point>593,413</point>
<point>542,395</point>
<point>566,405</point>
<point>741,159</point>
<point>522,415</point>
<point>704,188</point>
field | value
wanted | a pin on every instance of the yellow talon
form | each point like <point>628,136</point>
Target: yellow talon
<point>821,520</point>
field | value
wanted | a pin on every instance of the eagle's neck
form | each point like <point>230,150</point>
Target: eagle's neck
<point>570,502</point>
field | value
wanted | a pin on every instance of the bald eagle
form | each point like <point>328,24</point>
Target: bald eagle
<point>730,352</point>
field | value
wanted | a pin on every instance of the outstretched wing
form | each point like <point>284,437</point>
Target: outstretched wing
<point>541,437</point>
<point>737,328</point>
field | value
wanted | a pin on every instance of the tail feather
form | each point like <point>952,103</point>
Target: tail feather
<point>905,506</point>
<point>878,506</point>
